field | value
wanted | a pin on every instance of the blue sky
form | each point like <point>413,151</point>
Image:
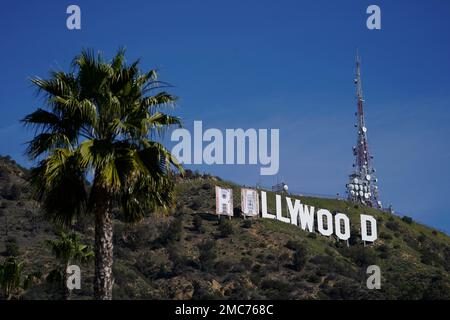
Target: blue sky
<point>268,64</point>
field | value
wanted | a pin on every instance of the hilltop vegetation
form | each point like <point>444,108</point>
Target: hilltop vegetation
<point>188,253</point>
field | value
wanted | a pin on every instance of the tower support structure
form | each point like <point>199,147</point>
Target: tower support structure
<point>362,186</point>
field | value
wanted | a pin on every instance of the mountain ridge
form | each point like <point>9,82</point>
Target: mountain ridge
<point>188,253</point>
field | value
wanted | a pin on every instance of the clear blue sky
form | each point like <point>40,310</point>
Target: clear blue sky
<point>268,64</point>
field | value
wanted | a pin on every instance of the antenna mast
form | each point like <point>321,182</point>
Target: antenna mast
<point>362,186</point>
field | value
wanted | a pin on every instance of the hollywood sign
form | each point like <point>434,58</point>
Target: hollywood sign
<point>300,215</point>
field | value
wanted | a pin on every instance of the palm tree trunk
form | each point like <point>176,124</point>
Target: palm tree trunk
<point>103,282</point>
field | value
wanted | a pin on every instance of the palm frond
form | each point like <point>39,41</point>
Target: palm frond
<point>42,120</point>
<point>46,142</point>
<point>68,248</point>
<point>59,183</point>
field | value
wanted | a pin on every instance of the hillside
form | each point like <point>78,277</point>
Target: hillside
<point>188,254</point>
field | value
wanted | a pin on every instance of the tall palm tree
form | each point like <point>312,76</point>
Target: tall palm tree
<point>101,123</point>
<point>67,249</point>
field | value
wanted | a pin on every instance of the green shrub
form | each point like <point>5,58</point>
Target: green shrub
<point>256,268</point>
<point>154,265</point>
<point>247,224</point>
<point>180,262</point>
<point>222,267</point>
<point>437,289</point>
<point>11,247</point>
<point>407,219</point>
<point>422,238</point>
<point>241,292</point>
<point>300,256</point>
<point>247,262</point>
<point>299,260</point>
<point>345,289</point>
<point>384,251</point>
<point>393,225</point>
<point>203,292</point>
<point>225,228</point>
<point>385,235</point>
<point>361,256</point>
<point>207,254</point>
<point>195,204</point>
<point>197,223</point>
<point>172,232</point>
<point>294,245</point>
<point>431,258</point>
<point>276,289</point>
<point>238,268</point>
<point>313,278</point>
<point>206,186</point>
<point>14,192</point>
<point>131,236</point>
<point>188,174</point>
<point>282,259</point>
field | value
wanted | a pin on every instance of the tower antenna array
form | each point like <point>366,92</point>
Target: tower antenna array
<point>362,186</point>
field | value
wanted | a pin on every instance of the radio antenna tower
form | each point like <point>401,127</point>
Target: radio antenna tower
<point>362,186</point>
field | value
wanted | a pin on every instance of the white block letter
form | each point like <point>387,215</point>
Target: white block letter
<point>293,210</point>
<point>307,217</point>
<point>280,210</point>
<point>264,213</point>
<point>373,228</point>
<point>329,230</point>
<point>342,234</point>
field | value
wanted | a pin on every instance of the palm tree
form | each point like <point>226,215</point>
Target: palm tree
<point>11,273</point>
<point>68,249</point>
<point>101,124</point>
<point>10,276</point>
